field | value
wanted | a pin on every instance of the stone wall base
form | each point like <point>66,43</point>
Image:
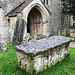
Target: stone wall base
<point>42,61</point>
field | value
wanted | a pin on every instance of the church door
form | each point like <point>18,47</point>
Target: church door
<point>34,26</point>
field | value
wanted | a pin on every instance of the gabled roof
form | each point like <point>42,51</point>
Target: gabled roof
<point>20,7</point>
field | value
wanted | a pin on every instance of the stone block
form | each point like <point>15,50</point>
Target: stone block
<point>72,31</point>
<point>62,31</point>
<point>39,55</point>
<point>3,46</point>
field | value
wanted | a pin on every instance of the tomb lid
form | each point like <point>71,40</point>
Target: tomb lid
<point>40,46</point>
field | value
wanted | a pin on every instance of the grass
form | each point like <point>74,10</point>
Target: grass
<point>9,66</point>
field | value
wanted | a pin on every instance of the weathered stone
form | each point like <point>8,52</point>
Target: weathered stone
<point>72,31</point>
<point>3,46</point>
<point>62,31</point>
<point>27,37</point>
<point>39,55</point>
<point>40,36</point>
<point>49,23</point>
<point>3,27</point>
<point>19,32</point>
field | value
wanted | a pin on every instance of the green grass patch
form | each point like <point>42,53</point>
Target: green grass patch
<point>8,62</point>
<point>9,65</point>
<point>67,35</point>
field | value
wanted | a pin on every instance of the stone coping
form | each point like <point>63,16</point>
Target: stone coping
<point>40,46</point>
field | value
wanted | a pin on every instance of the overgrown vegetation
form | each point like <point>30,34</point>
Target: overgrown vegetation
<point>9,66</point>
<point>69,7</point>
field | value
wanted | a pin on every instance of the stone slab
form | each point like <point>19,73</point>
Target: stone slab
<point>35,47</point>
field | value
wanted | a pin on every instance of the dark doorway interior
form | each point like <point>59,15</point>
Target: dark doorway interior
<point>28,26</point>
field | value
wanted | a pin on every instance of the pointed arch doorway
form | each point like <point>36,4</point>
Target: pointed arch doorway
<point>34,26</point>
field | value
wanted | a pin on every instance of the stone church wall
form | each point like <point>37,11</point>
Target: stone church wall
<point>56,11</point>
<point>3,26</point>
<point>12,27</point>
<point>57,16</point>
<point>8,5</point>
<point>45,15</point>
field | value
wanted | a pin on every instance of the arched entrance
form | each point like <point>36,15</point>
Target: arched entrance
<point>34,26</point>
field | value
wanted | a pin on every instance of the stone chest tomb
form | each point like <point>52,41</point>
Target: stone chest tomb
<point>38,55</point>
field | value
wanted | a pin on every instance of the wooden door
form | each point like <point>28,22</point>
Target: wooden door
<point>35,23</point>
